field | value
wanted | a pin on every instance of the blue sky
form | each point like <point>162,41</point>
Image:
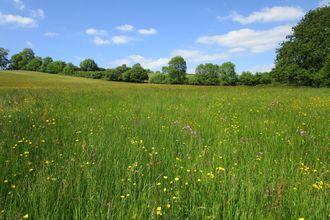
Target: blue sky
<point>151,32</point>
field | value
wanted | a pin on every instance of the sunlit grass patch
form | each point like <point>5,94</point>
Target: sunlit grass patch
<point>74,148</point>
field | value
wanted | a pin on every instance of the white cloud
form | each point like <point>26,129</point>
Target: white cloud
<point>120,62</point>
<point>198,56</point>
<point>122,39</point>
<point>93,31</point>
<point>99,41</point>
<point>236,50</point>
<point>37,13</point>
<point>51,34</point>
<point>29,44</point>
<point>145,31</point>
<point>19,4</point>
<point>18,20</point>
<point>323,3</point>
<point>261,68</point>
<point>125,27</point>
<point>149,63</point>
<point>257,41</point>
<point>275,13</point>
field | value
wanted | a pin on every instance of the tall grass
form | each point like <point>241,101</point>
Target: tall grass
<point>73,148</point>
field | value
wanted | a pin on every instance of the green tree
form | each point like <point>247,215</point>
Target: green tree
<point>56,67</point>
<point>304,53</point>
<point>34,64</point>
<point>15,62</point>
<point>207,74</point>
<point>322,78</point>
<point>228,76</point>
<point>177,68</point>
<point>45,62</point>
<point>4,58</point>
<point>88,65</point>
<point>247,79</point>
<point>20,60</point>
<point>69,69</point>
<point>136,74</point>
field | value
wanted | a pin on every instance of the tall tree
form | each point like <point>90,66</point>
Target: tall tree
<point>88,65</point>
<point>228,76</point>
<point>177,68</point>
<point>45,62</point>
<point>34,64</point>
<point>305,51</point>
<point>4,58</point>
<point>207,74</point>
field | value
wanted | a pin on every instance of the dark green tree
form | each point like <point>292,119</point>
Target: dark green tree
<point>228,76</point>
<point>69,69</point>
<point>88,65</point>
<point>45,62</point>
<point>177,68</point>
<point>247,79</point>
<point>15,62</point>
<point>136,74</point>
<point>207,74</point>
<point>4,58</point>
<point>305,52</point>
<point>56,67</point>
<point>34,64</point>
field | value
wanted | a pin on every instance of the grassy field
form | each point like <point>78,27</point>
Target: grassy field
<point>76,148</point>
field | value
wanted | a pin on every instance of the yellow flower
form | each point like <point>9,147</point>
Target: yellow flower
<point>13,186</point>
<point>165,177</point>
<point>159,208</point>
<point>176,179</point>
<point>168,205</point>
<point>301,218</point>
<point>5,181</point>
<point>25,216</point>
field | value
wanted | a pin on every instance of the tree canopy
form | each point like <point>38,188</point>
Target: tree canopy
<point>88,65</point>
<point>4,58</point>
<point>177,68</point>
<point>305,52</point>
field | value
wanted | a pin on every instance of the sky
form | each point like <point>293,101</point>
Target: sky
<point>151,32</point>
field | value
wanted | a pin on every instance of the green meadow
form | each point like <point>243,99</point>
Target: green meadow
<point>77,148</point>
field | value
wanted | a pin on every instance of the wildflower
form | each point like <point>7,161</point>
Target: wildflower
<point>13,186</point>
<point>159,208</point>
<point>301,218</point>
<point>158,184</point>
<point>164,189</point>
<point>168,205</point>
<point>25,216</point>
<point>165,177</point>
<point>5,181</point>
<point>122,197</point>
<point>176,179</point>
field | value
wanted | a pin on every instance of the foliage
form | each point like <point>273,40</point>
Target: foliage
<point>247,79</point>
<point>45,62</point>
<point>20,60</point>
<point>228,76</point>
<point>136,74</point>
<point>177,70</point>
<point>158,78</point>
<point>56,67</point>
<point>88,65</point>
<point>69,69</point>
<point>112,75</point>
<point>34,64</point>
<point>304,53</point>
<point>207,74</point>
<point>4,58</point>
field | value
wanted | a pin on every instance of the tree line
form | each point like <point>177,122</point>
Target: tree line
<point>303,60</point>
